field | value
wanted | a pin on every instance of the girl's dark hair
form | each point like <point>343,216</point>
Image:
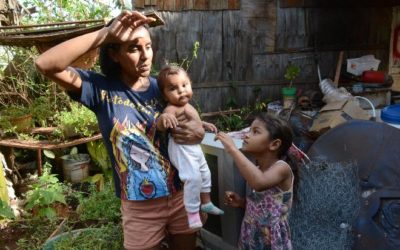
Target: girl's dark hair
<point>279,129</point>
<point>167,71</point>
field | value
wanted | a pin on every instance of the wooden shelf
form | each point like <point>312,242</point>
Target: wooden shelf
<point>39,146</point>
<point>16,143</point>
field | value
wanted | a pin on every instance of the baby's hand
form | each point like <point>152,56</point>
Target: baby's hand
<point>210,127</point>
<point>168,121</point>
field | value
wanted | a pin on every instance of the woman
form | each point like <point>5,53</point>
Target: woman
<point>127,102</point>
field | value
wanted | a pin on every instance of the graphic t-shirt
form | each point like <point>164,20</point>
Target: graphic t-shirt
<point>139,156</point>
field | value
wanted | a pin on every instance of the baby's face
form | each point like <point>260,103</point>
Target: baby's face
<point>178,89</point>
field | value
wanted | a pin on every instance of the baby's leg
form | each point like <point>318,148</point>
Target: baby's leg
<point>207,206</point>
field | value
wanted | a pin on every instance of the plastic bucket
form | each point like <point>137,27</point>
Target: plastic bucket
<point>75,167</point>
<point>391,115</point>
<point>289,97</point>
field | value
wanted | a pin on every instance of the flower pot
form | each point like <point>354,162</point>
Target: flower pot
<point>75,167</point>
<point>21,123</point>
<point>289,97</point>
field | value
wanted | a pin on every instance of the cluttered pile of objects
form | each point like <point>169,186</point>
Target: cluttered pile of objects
<point>364,93</point>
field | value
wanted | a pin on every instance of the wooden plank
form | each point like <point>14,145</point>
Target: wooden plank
<point>153,2</point>
<point>147,2</point>
<point>16,143</point>
<point>336,3</point>
<point>169,5</point>
<point>338,68</point>
<point>139,3</point>
<point>233,4</point>
<point>217,4</point>
<point>179,4</point>
<point>201,5</point>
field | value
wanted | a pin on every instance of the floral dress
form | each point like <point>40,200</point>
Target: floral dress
<point>265,223</point>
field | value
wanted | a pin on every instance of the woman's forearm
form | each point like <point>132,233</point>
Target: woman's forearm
<point>58,58</point>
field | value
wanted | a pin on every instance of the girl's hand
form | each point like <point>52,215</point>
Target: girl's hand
<point>232,199</point>
<point>124,24</point>
<point>210,127</point>
<point>166,121</point>
<point>226,140</point>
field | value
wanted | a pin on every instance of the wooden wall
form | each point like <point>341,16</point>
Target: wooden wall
<point>249,48</point>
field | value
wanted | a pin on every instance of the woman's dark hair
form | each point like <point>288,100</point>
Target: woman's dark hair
<point>279,129</point>
<point>108,66</point>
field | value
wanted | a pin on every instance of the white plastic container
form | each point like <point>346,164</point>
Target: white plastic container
<point>357,66</point>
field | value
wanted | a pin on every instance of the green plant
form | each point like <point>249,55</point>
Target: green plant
<point>98,153</point>
<point>185,62</point>
<point>100,205</point>
<point>232,122</point>
<point>108,236</point>
<point>292,71</point>
<point>64,10</point>
<point>48,191</point>
<point>79,120</point>
<point>6,211</point>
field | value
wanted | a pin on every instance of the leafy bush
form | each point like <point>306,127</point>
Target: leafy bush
<point>79,119</point>
<point>5,211</point>
<point>47,192</point>
<point>109,237</point>
<point>100,205</point>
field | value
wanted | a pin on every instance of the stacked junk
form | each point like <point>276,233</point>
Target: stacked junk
<point>348,196</point>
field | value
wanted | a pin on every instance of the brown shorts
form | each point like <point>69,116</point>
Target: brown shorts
<point>145,223</point>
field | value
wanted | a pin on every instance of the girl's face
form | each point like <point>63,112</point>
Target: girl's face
<point>135,57</point>
<point>177,90</point>
<point>257,138</point>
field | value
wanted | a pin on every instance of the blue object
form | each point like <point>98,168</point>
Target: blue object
<point>391,114</point>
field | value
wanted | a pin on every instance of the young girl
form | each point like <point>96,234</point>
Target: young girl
<point>176,89</point>
<point>265,223</point>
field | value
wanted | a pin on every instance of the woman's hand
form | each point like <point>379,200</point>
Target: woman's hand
<point>227,141</point>
<point>122,27</point>
<point>232,199</point>
<point>189,130</point>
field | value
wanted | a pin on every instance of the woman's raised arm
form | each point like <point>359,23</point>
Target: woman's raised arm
<point>54,62</point>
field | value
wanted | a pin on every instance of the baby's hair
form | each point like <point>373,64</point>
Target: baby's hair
<point>167,71</point>
<point>278,129</point>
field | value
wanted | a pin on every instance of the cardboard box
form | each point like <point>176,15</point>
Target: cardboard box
<point>335,113</point>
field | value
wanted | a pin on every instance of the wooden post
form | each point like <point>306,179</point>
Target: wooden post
<point>338,69</point>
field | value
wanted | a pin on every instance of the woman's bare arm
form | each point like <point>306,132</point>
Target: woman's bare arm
<point>54,62</point>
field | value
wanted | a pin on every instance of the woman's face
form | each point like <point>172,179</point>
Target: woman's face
<point>135,57</point>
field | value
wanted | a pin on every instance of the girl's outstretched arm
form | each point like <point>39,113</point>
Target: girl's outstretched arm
<point>257,179</point>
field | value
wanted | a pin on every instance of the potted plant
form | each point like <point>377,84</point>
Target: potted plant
<point>79,121</point>
<point>16,119</point>
<point>289,93</point>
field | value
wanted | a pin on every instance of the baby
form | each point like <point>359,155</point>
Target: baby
<point>175,85</point>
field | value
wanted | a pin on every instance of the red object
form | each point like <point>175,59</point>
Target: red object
<point>371,76</point>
